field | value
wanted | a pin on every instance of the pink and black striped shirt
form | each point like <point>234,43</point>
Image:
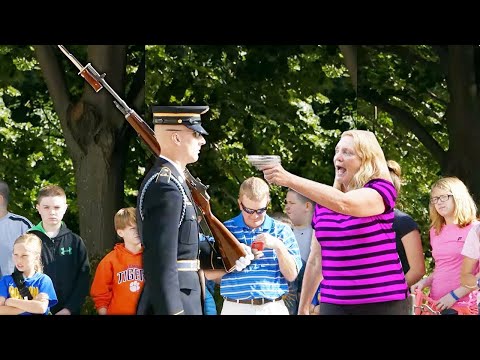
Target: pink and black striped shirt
<point>360,263</point>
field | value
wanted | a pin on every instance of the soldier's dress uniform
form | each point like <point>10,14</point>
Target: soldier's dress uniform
<point>168,227</point>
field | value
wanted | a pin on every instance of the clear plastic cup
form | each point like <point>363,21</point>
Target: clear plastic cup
<point>260,161</point>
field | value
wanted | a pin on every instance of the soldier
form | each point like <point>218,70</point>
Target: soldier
<point>167,218</point>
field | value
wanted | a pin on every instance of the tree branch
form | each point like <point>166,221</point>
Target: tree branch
<point>55,80</point>
<point>406,119</point>
<point>403,52</point>
<point>437,98</point>
<point>461,81</point>
<point>350,55</point>
<point>136,93</point>
<point>54,77</point>
<point>442,52</point>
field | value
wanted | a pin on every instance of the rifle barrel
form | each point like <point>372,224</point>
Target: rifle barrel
<point>230,248</point>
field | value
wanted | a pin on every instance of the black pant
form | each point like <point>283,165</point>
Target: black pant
<point>397,307</point>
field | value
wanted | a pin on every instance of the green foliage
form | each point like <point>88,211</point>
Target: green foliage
<point>34,152</point>
<point>408,78</point>
<point>418,170</point>
<point>33,148</point>
<point>263,100</point>
<point>293,101</point>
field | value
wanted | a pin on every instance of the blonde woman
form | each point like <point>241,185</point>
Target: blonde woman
<point>452,214</point>
<point>355,259</point>
<point>40,294</point>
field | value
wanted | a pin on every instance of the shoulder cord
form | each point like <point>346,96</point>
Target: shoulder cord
<point>179,186</point>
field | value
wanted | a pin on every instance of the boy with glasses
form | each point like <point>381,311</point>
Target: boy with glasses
<point>258,289</point>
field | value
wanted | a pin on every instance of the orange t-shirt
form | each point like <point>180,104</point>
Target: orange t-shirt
<point>118,281</point>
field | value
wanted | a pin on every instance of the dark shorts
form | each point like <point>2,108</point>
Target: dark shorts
<point>398,307</point>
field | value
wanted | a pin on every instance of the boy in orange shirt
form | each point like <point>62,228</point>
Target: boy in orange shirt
<point>118,280</point>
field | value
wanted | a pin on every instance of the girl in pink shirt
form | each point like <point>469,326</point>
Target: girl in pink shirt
<point>452,215</point>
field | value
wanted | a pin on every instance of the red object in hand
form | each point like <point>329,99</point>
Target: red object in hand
<point>258,245</point>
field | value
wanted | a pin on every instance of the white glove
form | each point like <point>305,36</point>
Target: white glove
<point>244,261</point>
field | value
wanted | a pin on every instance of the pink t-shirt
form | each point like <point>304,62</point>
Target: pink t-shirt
<point>471,248</point>
<point>447,253</point>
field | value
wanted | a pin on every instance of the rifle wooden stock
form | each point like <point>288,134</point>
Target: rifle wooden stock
<point>144,131</point>
<point>230,248</point>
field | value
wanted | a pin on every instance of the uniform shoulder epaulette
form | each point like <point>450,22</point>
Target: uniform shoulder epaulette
<point>164,175</point>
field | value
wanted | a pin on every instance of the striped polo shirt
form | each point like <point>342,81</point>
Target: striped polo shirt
<point>11,227</point>
<point>360,263</point>
<point>262,278</point>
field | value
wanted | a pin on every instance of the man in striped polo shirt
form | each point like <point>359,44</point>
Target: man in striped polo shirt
<point>11,227</point>
<point>258,289</point>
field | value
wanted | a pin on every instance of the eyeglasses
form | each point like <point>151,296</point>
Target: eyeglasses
<point>195,133</point>
<point>251,211</point>
<point>441,198</point>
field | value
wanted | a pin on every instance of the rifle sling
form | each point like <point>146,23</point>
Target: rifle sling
<point>20,282</point>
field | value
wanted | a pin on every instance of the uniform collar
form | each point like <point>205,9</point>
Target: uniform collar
<point>179,170</point>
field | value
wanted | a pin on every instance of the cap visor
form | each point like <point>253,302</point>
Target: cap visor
<point>198,128</point>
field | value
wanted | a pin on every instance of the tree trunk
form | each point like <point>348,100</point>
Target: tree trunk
<point>350,58</point>
<point>99,157</point>
<point>463,118</point>
<point>462,115</point>
<point>95,135</point>
<point>99,160</point>
<point>100,194</point>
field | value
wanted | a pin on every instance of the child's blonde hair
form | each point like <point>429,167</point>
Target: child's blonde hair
<point>396,174</point>
<point>125,217</point>
<point>465,208</point>
<point>254,188</point>
<point>33,244</point>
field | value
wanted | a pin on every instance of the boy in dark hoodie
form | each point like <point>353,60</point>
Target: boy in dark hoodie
<point>64,255</point>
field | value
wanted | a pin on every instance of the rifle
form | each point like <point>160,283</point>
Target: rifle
<point>228,245</point>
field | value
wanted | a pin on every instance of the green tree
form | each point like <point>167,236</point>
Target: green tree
<point>287,100</point>
<point>65,133</point>
<point>96,134</point>
<point>292,101</point>
<point>431,91</point>
<point>429,99</point>
<point>33,148</point>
